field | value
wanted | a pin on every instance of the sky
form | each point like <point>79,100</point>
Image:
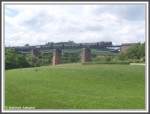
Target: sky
<point>39,24</point>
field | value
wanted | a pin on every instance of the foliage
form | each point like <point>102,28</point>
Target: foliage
<point>135,52</point>
<point>14,59</point>
<point>104,58</point>
<point>70,57</point>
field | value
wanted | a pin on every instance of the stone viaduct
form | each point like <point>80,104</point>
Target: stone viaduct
<point>85,56</point>
<point>85,53</point>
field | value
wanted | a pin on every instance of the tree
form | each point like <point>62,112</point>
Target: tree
<point>13,59</point>
<point>35,61</point>
<point>134,52</point>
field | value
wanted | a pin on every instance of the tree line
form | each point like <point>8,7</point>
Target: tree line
<point>15,59</point>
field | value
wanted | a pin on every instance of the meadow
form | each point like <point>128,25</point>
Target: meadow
<point>76,86</point>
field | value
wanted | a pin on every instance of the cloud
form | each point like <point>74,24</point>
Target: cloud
<point>128,12</point>
<point>39,24</point>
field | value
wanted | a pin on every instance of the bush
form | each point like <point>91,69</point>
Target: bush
<point>108,58</point>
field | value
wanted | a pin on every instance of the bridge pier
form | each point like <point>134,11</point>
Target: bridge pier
<point>35,52</point>
<point>85,55</point>
<point>56,57</point>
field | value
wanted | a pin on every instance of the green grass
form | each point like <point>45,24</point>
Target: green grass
<point>76,86</point>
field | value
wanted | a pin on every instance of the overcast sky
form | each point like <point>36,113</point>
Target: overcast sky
<point>38,24</point>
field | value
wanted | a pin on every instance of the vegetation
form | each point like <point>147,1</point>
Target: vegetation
<point>76,86</point>
<point>136,52</point>
<point>15,59</point>
<point>70,57</point>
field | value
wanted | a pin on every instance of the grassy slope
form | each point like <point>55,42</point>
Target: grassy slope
<point>76,86</point>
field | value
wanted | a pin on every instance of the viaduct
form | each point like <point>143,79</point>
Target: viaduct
<point>85,56</point>
<point>85,53</point>
<point>85,49</point>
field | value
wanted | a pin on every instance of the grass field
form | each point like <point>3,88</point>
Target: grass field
<point>76,86</point>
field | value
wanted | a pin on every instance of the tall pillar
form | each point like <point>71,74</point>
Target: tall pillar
<point>56,56</point>
<point>85,55</point>
<point>35,52</point>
